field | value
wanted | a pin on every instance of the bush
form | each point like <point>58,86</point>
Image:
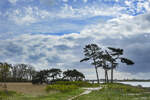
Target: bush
<point>35,81</point>
<point>125,88</point>
<point>61,88</point>
<point>57,80</point>
<point>77,83</point>
<point>66,86</point>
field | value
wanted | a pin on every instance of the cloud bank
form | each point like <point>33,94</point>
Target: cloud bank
<point>48,37</point>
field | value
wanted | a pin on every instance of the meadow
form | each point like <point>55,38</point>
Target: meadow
<point>27,91</point>
<point>66,90</point>
<point>25,88</point>
<point>118,92</point>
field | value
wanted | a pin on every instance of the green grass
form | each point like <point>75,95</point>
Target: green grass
<point>117,92</point>
<point>108,92</point>
<point>59,91</point>
<point>7,93</point>
<point>50,96</point>
<point>61,88</point>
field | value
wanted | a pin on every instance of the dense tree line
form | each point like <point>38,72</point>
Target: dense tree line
<point>16,73</point>
<point>53,75</point>
<point>27,73</point>
<point>107,59</point>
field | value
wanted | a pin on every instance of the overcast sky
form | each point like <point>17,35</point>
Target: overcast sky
<point>52,33</point>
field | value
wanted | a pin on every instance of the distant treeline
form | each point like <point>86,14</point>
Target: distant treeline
<point>16,73</point>
<point>135,80</point>
<point>27,73</point>
<point>122,80</point>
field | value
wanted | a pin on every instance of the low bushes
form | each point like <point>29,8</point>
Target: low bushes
<point>66,86</point>
<point>61,88</point>
<point>77,83</point>
<point>125,88</point>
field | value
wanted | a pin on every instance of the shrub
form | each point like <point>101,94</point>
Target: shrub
<point>77,83</point>
<point>61,88</point>
<point>66,86</point>
<point>125,88</point>
<point>57,80</point>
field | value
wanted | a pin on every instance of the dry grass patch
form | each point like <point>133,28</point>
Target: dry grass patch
<point>26,88</point>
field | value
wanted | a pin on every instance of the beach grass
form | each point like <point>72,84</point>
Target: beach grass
<point>117,92</point>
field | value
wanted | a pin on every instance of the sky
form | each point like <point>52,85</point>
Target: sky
<point>53,33</point>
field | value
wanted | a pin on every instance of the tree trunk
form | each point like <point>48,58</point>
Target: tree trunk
<point>97,74</point>
<point>112,75</point>
<point>105,76</point>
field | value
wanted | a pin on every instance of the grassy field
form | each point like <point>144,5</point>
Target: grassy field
<point>118,92</point>
<point>50,96</point>
<point>26,88</point>
<point>27,91</point>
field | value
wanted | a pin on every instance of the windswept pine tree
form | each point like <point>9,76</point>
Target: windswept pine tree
<point>91,52</point>
<point>108,59</point>
<point>116,54</point>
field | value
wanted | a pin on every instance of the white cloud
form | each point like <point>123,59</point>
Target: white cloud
<point>123,25</point>
<point>128,3</point>
<point>65,0</point>
<point>35,14</point>
<point>25,20</point>
<point>48,50</point>
<point>13,1</point>
<point>38,50</point>
<point>69,11</point>
<point>85,1</point>
<point>27,15</point>
<point>142,6</point>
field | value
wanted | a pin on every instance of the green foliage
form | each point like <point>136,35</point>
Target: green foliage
<point>40,77</point>
<point>4,71</point>
<point>54,73</point>
<point>73,75</point>
<point>77,83</point>
<point>127,61</point>
<point>7,93</point>
<point>116,51</point>
<point>61,88</point>
<point>124,88</point>
<point>48,96</point>
<point>92,52</point>
<point>117,92</point>
<point>66,86</point>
